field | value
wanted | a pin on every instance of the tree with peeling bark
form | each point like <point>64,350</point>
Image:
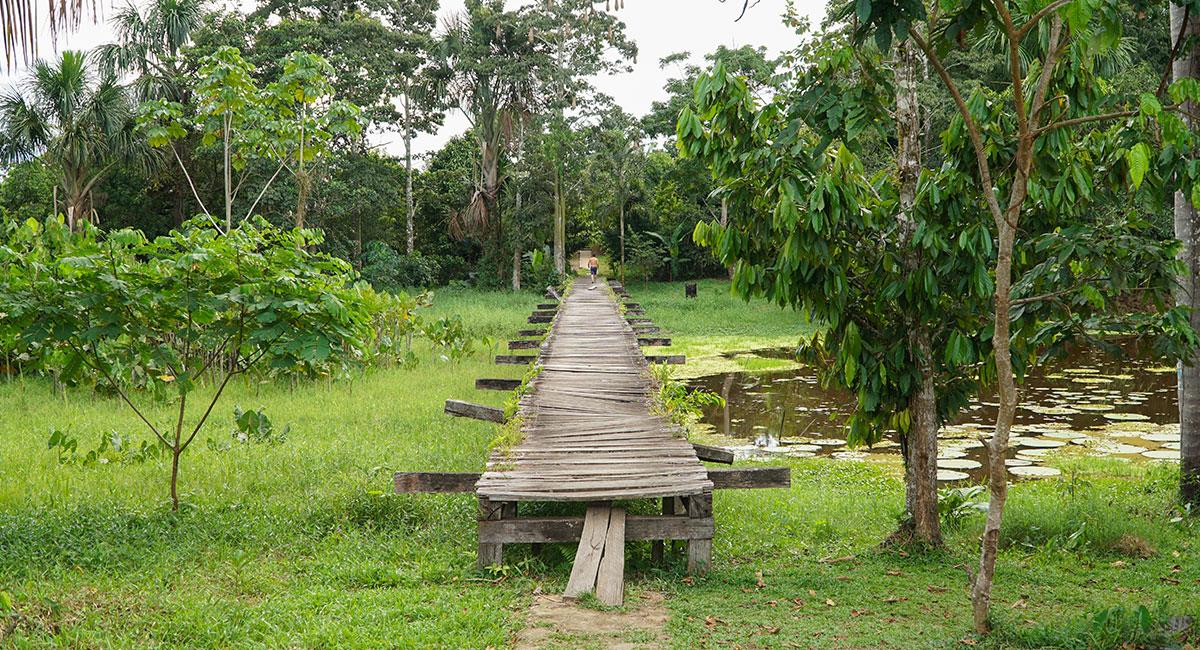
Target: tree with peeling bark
<point>1040,154</point>
<point>1042,147</point>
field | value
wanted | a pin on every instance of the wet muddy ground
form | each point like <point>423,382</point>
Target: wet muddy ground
<point>1088,404</point>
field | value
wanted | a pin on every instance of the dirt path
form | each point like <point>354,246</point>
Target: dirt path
<point>557,623</point>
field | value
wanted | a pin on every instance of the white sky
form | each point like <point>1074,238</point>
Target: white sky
<point>659,27</point>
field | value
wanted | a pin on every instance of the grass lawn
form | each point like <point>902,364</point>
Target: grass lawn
<point>301,544</point>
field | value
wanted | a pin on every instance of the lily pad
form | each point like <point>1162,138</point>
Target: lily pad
<point>958,463</point>
<point>1064,435</point>
<point>1033,471</point>
<point>1095,408</point>
<point>800,454</point>
<point>829,442</point>
<point>951,475</point>
<point>849,455</point>
<point>1091,380</point>
<point>1162,454</point>
<point>1049,410</point>
<point>1161,437</point>
<point>1171,445</point>
<point>1126,417</point>
<point>1039,443</point>
<point>948,454</point>
<point>1017,462</point>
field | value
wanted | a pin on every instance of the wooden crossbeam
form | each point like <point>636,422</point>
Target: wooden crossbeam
<point>566,529</point>
<point>514,359</point>
<point>636,312</point>
<point>671,359</point>
<point>532,332</point>
<point>524,345</point>
<point>540,319</point>
<point>477,411</point>
<point>632,305</point>
<point>548,305</point>
<point>646,329</point>
<point>653,341</point>
<point>639,321</point>
<point>544,312</point>
<point>497,384</point>
<point>713,454</point>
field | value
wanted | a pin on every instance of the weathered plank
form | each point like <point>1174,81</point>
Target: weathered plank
<point>497,384</point>
<point>540,319</point>
<point>515,359</point>
<point>646,329</point>
<point>548,305</point>
<point>669,359</point>
<point>610,579</point>
<point>477,411</point>
<point>713,454</point>
<point>543,530</point>
<point>639,321</point>
<point>699,554</point>
<point>524,345</point>
<point>544,312</point>
<point>635,312</point>
<point>590,551</point>
<point>532,332</point>
<point>436,482</point>
<point>632,305</point>
<point>649,341</point>
<point>742,478</point>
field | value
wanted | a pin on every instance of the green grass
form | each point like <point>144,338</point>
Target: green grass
<point>300,544</point>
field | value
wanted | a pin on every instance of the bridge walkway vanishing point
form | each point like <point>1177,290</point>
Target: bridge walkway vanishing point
<point>587,435</point>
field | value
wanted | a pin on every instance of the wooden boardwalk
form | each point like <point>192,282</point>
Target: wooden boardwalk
<point>588,433</point>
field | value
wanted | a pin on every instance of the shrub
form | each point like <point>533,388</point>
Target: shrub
<point>386,269</point>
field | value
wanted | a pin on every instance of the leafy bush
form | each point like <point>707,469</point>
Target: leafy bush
<point>643,257</point>
<point>540,272</point>
<point>254,426</point>
<point>384,268</point>
<point>394,322</point>
<point>113,448</point>
<point>191,309</point>
<point>682,406</point>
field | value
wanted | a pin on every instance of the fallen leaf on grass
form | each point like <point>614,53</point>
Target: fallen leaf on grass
<point>1118,564</point>
<point>812,592</point>
<point>799,603</point>
<point>772,603</point>
<point>688,580</point>
<point>1020,604</point>
<point>968,641</point>
<point>894,599</point>
<point>894,573</point>
<point>1170,581</point>
<point>829,602</point>
<point>768,630</point>
<point>713,621</point>
<point>837,560</point>
<point>934,589</point>
<point>758,580</point>
<point>857,612</point>
<point>843,578</point>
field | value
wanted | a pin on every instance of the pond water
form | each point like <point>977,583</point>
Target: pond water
<point>1088,404</point>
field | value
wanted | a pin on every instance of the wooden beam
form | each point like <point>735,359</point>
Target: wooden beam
<point>610,580</point>
<point>699,553</point>
<point>540,319</point>
<point>533,332</point>
<point>632,305</point>
<point>639,321</point>
<point>750,478</point>
<point>653,341</point>
<point>713,454</point>
<point>544,312</point>
<point>671,359</point>
<point>646,329</point>
<point>564,530</point>
<point>545,530</point>
<point>524,345</point>
<point>590,551</point>
<point>636,312</point>
<point>548,305</point>
<point>435,482</point>
<point>497,384</point>
<point>515,359</point>
<point>477,411</point>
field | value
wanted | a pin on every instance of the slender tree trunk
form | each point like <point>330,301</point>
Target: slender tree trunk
<point>622,217</point>
<point>1187,293</point>
<point>228,178</point>
<point>920,444</point>
<point>516,268</point>
<point>408,184</point>
<point>175,452</point>
<point>725,221</point>
<point>302,189</point>
<point>560,223</point>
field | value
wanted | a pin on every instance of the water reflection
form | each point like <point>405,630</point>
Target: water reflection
<point>1090,403</point>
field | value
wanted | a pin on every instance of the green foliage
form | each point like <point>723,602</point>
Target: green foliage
<point>957,505</point>
<point>384,268</point>
<point>682,405</point>
<point>186,311</point>
<point>112,448</point>
<point>451,337</point>
<point>395,321</point>
<point>254,426</point>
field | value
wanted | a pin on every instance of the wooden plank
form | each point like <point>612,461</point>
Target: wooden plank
<point>524,345</point>
<point>540,319</point>
<point>515,359</point>
<point>750,478</point>
<point>548,305</point>
<point>489,553</point>
<point>669,359</point>
<point>544,312</point>
<point>541,331</point>
<point>645,329</point>
<point>635,312</point>
<point>543,530</point>
<point>477,411</point>
<point>653,340</point>
<point>590,551</point>
<point>713,454</point>
<point>632,305</point>
<point>639,321</point>
<point>435,482</point>
<point>497,384</point>
<point>610,579</point>
<point>699,550</point>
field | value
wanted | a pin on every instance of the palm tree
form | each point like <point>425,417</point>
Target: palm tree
<point>149,46</point>
<point>77,122</point>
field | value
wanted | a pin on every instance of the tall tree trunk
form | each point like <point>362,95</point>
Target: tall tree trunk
<point>408,184</point>
<point>725,221</point>
<point>1187,293</point>
<point>920,443</point>
<point>622,213</point>
<point>560,223</point>
<point>516,268</point>
<point>303,183</point>
<point>228,176</point>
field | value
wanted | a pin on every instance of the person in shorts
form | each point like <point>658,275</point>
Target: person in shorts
<point>593,268</point>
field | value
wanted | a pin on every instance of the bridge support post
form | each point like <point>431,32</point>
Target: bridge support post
<point>490,554</point>
<point>699,553</point>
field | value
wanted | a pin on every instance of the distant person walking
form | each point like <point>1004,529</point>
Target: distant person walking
<point>594,268</point>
